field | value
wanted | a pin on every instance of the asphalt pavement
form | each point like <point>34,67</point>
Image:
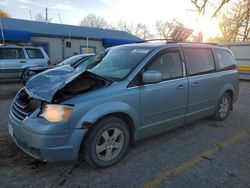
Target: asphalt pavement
<point>206,153</point>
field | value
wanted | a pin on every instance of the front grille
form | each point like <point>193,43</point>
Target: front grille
<point>24,105</point>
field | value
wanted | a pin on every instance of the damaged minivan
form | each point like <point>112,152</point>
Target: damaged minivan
<point>119,96</point>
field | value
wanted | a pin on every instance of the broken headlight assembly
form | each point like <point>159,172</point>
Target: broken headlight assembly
<point>56,112</point>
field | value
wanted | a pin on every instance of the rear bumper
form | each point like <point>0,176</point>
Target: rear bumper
<point>49,147</point>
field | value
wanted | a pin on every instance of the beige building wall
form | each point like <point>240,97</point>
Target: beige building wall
<point>58,49</point>
<point>76,45</point>
<point>55,47</point>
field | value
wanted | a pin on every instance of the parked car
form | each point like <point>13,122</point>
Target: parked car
<point>73,61</point>
<point>14,60</point>
<point>134,91</point>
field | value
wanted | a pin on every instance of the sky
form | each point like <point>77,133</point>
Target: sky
<point>132,11</point>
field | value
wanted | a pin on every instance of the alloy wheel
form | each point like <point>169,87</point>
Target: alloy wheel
<point>109,144</point>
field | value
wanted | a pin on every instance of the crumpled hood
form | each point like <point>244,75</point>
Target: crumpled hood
<point>44,85</point>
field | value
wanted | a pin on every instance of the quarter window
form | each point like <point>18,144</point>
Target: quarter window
<point>199,61</point>
<point>169,65</point>
<point>34,53</point>
<point>11,53</point>
<point>224,60</point>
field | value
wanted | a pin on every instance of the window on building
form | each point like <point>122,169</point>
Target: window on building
<point>34,53</point>
<point>224,59</point>
<point>11,53</point>
<point>199,61</point>
<point>168,64</point>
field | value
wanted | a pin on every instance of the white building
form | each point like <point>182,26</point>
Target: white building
<point>62,41</point>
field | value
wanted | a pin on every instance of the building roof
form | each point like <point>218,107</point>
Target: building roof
<point>62,30</point>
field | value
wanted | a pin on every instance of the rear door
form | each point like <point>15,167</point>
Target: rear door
<point>12,62</point>
<point>163,104</point>
<point>203,82</point>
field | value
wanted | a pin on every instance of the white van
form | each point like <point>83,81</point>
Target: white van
<point>14,60</point>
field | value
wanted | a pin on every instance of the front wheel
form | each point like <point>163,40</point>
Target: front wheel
<point>223,107</point>
<point>107,142</point>
<point>25,76</point>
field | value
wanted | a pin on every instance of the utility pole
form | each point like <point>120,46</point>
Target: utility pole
<point>30,15</point>
<point>46,14</point>
<point>59,18</point>
<point>2,31</point>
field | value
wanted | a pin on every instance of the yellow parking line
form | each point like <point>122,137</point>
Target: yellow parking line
<point>193,161</point>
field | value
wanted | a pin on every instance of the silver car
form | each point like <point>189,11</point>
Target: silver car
<point>14,60</point>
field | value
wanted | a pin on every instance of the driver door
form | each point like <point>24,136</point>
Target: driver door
<point>164,104</point>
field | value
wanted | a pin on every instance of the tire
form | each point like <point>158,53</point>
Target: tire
<point>106,143</point>
<point>223,108</point>
<point>25,76</point>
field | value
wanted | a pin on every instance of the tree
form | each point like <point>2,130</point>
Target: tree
<point>4,14</point>
<point>139,30</point>
<point>91,20</point>
<point>201,6</point>
<point>39,17</point>
<point>123,26</point>
<point>235,22</point>
<point>165,29</point>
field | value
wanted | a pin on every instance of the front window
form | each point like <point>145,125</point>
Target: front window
<point>117,63</point>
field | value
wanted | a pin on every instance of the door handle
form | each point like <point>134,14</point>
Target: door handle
<point>194,84</point>
<point>181,86</point>
<point>22,61</point>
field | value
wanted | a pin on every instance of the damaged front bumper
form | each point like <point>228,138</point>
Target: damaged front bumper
<point>45,141</point>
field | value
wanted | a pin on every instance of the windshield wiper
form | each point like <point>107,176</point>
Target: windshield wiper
<point>99,76</point>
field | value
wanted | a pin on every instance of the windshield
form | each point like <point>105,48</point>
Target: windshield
<point>71,60</point>
<point>116,63</point>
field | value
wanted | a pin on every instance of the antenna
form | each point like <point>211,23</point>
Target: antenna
<point>2,30</point>
<point>30,15</point>
<point>59,18</point>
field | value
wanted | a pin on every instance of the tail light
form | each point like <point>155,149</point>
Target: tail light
<point>49,62</point>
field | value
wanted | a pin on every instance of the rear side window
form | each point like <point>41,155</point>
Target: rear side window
<point>168,64</point>
<point>11,53</point>
<point>34,53</point>
<point>224,59</point>
<point>199,61</point>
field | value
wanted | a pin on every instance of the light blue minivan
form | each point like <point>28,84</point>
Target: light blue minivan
<point>121,95</point>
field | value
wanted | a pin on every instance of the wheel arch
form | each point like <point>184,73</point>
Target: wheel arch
<point>228,88</point>
<point>117,109</point>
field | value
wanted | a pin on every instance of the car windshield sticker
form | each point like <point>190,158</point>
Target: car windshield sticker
<point>142,51</point>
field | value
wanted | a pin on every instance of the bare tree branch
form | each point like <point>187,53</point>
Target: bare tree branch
<point>223,2</point>
<point>201,6</point>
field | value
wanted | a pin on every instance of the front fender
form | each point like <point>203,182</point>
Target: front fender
<point>108,108</point>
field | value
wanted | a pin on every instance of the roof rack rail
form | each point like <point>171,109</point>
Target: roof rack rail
<point>173,41</point>
<point>167,40</point>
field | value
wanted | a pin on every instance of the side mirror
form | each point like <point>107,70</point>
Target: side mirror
<point>151,76</point>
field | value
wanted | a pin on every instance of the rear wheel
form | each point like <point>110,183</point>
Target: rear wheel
<point>223,107</point>
<point>107,142</point>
